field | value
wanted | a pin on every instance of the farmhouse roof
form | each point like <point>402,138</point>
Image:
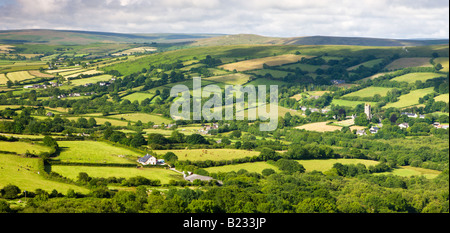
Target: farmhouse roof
<point>145,158</point>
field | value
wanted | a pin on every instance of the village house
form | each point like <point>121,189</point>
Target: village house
<point>438,125</point>
<point>413,115</point>
<point>403,125</point>
<point>148,160</point>
<point>361,132</point>
<point>374,129</point>
<point>337,82</point>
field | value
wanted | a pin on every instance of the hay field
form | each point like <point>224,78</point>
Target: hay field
<point>143,117</point>
<point>326,164</point>
<point>38,74</point>
<point>19,76</point>
<point>95,79</point>
<point>413,77</point>
<point>319,127</point>
<point>3,79</point>
<point>410,99</point>
<point>209,154</point>
<point>255,64</point>
<point>232,79</point>
<point>89,72</point>
<point>62,70</point>
<point>443,97</point>
<point>409,62</point>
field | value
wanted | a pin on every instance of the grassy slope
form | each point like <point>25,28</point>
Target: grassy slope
<point>210,154</point>
<point>150,173</point>
<point>94,152</point>
<point>370,92</point>
<point>410,99</point>
<point>23,172</point>
<point>413,77</point>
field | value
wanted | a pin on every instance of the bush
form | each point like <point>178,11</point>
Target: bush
<point>290,166</point>
<point>267,172</point>
<point>10,191</point>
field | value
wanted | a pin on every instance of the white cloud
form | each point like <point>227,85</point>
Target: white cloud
<point>368,18</point>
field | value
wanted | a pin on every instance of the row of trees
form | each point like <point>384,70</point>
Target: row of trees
<point>246,192</point>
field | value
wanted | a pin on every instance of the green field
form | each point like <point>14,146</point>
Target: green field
<point>95,152</point>
<point>139,96</point>
<point>232,79</point>
<point>143,117</point>
<point>266,82</point>
<point>410,99</point>
<point>310,165</point>
<point>209,154</point>
<point>22,147</point>
<point>326,164</point>
<point>368,64</point>
<point>23,172</point>
<point>303,67</point>
<point>250,167</point>
<point>348,103</point>
<point>102,120</point>
<point>443,97</point>
<point>444,61</point>
<point>273,73</point>
<point>370,92</point>
<point>164,175</point>
<point>413,171</point>
<point>413,77</point>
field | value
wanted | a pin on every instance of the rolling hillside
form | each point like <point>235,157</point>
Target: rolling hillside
<point>69,37</point>
<point>312,40</point>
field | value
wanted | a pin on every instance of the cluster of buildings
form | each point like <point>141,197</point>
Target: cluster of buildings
<point>205,130</point>
<point>323,111</point>
<point>168,126</point>
<point>337,82</point>
<point>438,125</point>
<point>42,86</point>
<point>62,96</point>
<point>413,115</point>
<point>375,129</point>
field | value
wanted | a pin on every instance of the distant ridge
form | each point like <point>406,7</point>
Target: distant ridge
<point>65,37</point>
<point>316,40</point>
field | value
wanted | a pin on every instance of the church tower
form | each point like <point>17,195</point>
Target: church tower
<point>367,111</point>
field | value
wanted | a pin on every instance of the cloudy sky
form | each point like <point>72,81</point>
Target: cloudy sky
<point>284,18</point>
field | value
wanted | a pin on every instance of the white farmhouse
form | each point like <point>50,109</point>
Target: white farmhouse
<point>147,160</point>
